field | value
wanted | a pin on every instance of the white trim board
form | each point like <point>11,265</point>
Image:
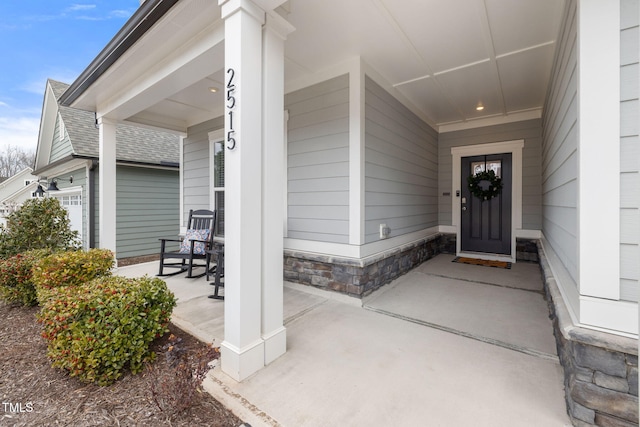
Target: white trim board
<point>514,147</point>
<point>357,252</point>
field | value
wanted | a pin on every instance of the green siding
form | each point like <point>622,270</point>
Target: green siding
<point>61,145</point>
<point>147,208</point>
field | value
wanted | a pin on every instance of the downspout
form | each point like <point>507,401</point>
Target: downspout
<point>92,203</point>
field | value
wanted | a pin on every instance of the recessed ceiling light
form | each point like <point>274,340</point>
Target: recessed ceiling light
<point>479,107</point>
<point>213,89</point>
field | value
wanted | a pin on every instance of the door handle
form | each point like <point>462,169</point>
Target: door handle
<point>464,208</point>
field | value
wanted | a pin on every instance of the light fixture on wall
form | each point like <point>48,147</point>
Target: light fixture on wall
<point>53,184</point>
<point>39,191</point>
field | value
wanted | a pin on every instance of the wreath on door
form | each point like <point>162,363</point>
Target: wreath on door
<point>484,191</point>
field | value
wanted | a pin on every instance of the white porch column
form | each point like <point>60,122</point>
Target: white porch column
<point>107,178</point>
<point>243,348</point>
<point>273,186</point>
<point>599,149</point>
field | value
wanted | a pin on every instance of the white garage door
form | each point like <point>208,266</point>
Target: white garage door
<point>73,204</point>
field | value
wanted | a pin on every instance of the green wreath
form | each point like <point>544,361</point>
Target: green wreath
<point>494,188</point>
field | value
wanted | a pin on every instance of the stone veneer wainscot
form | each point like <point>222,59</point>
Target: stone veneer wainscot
<point>600,369</point>
<point>360,277</point>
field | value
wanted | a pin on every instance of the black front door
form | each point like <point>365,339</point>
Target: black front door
<point>486,224</point>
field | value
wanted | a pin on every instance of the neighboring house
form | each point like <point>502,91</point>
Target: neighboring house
<point>381,110</point>
<point>14,190</point>
<point>147,175</point>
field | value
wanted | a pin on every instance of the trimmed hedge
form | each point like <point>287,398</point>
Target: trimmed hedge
<point>16,278</point>
<point>97,329</point>
<point>71,268</point>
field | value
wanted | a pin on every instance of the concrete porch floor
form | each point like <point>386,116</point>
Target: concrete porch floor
<point>447,344</point>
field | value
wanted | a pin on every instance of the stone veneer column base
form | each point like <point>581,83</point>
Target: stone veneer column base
<point>600,369</point>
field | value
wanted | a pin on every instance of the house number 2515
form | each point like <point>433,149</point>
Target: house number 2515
<point>231,104</point>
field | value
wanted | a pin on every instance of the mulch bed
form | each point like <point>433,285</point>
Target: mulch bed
<point>32,393</point>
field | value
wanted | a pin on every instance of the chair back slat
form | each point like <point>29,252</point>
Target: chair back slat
<point>203,219</point>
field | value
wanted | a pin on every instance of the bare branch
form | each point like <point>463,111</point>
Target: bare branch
<point>13,159</point>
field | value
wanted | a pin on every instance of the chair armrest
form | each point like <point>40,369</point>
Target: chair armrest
<point>194,241</point>
<point>163,244</point>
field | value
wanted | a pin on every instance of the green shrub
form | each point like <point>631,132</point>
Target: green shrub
<point>97,329</point>
<point>70,268</point>
<point>16,278</point>
<point>38,224</point>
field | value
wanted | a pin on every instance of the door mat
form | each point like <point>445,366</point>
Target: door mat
<point>484,262</point>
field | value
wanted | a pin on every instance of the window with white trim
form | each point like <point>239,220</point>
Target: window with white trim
<point>72,200</point>
<point>218,186</point>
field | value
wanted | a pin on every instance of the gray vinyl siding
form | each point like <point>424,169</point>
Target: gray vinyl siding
<point>559,149</point>
<point>61,145</point>
<point>147,208</point>
<point>401,167</point>
<point>629,154</point>
<point>531,132</point>
<point>195,165</point>
<point>318,162</point>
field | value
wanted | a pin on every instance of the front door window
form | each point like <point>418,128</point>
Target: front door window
<point>481,166</point>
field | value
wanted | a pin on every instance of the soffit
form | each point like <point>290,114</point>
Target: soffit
<point>442,57</point>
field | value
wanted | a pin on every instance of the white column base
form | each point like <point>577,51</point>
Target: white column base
<point>275,345</point>
<point>240,364</point>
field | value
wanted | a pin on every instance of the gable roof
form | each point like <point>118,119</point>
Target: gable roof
<point>13,188</point>
<point>133,143</point>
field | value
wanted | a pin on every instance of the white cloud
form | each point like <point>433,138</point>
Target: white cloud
<point>120,13</point>
<point>19,131</point>
<point>75,7</point>
<point>89,18</point>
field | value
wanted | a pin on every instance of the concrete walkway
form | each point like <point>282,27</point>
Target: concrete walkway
<point>444,345</point>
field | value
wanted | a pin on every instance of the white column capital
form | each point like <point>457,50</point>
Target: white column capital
<point>231,7</point>
<point>277,25</point>
<point>105,120</point>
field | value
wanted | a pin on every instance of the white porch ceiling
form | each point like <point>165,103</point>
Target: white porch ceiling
<point>442,56</point>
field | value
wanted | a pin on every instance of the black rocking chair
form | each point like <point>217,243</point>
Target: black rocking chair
<point>195,245</point>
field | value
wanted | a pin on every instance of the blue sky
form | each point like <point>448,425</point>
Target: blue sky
<point>42,39</point>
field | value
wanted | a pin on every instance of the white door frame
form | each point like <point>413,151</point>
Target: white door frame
<point>515,148</point>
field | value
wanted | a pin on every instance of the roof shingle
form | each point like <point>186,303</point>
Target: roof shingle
<point>133,143</point>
